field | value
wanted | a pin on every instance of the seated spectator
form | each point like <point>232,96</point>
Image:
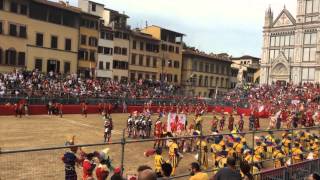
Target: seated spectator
<point>117,174</point>
<point>196,172</point>
<point>313,176</point>
<point>147,174</point>
<point>245,169</point>
<point>166,170</point>
<point>229,172</point>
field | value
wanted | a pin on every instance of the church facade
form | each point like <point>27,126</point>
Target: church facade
<point>291,45</point>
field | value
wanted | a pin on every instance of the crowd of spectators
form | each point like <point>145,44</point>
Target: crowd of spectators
<point>277,96</point>
<point>37,84</point>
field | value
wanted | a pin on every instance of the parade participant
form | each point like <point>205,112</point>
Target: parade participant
<point>222,120</point>
<point>16,109</point>
<point>256,123</point>
<point>230,150</point>
<point>241,123</point>
<point>203,154</point>
<point>278,157</point>
<point>231,121</point>
<point>158,161</point>
<point>315,148</point>
<point>88,166</point>
<point>198,122</point>
<point>157,132</point>
<point>238,147</point>
<point>173,155</point>
<point>149,127</point>
<point>221,159</point>
<point>251,122</point>
<point>107,129</point>
<point>130,123</point>
<point>270,144</point>
<point>20,107</point>
<point>60,109</point>
<point>70,160</point>
<point>297,154</point>
<point>84,109</point>
<point>102,170</point>
<point>215,148</point>
<point>214,124</point>
<point>286,142</point>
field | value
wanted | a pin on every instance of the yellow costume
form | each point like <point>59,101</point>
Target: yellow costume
<point>173,148</point>
<point>278,158</point>
<point>158,161</point>
<point>215,148</point>
<point>203,156</point>
<point>296,155</point>
<point>286,145</point>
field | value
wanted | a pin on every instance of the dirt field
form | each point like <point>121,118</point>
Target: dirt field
<point>51,131</point>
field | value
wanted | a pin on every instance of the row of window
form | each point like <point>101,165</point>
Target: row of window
<point>170,63</point>
<point>170,48</point>
<point>121,35</point>
<point>54,42</point>
<point>87,55</point>
<point>120,51</point>
<point>140,75</point>
<point>52,65</point>
<point>309,54</point>
<point>102,67</point>
<point>123,65</point>
<point>205,81</point>
<point>91,24</point>
<point>141,61</point>
<point>150,47</point>
<point>92,41</point>
<point>107,35</point>
<point>105,50</point>
<point>279,41</point>
<point>289,53</point>
<point>308,74</point>
<point>210,68</point>
<point>312,6</point>
<point>14,29</point>
<point>169,77</point>
<point>15,7</point>
<point>12,57</point>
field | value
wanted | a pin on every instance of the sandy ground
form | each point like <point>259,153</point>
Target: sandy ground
<point>52,131</point>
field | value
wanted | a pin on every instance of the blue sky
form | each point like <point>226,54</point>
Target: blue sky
<point>231,26</point>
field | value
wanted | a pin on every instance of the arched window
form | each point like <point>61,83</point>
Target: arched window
<point>211,81</point>
<point>200,80</point>
<point>11,57</point>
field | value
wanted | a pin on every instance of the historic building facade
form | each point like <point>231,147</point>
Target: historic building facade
<point>39,35</point>
<point>170,52</point>
<point>144,56</point>
<point>205,74</point>
<point>291,45</point>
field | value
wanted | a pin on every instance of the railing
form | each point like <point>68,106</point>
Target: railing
<point>45,163</point>
<point>129,101</point>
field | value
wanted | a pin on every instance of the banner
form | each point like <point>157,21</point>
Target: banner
<point>176,122</point>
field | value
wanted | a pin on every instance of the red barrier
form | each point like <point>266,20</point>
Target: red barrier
<point>93,109</point>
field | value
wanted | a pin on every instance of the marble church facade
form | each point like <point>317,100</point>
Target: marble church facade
<point>291,45</point>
